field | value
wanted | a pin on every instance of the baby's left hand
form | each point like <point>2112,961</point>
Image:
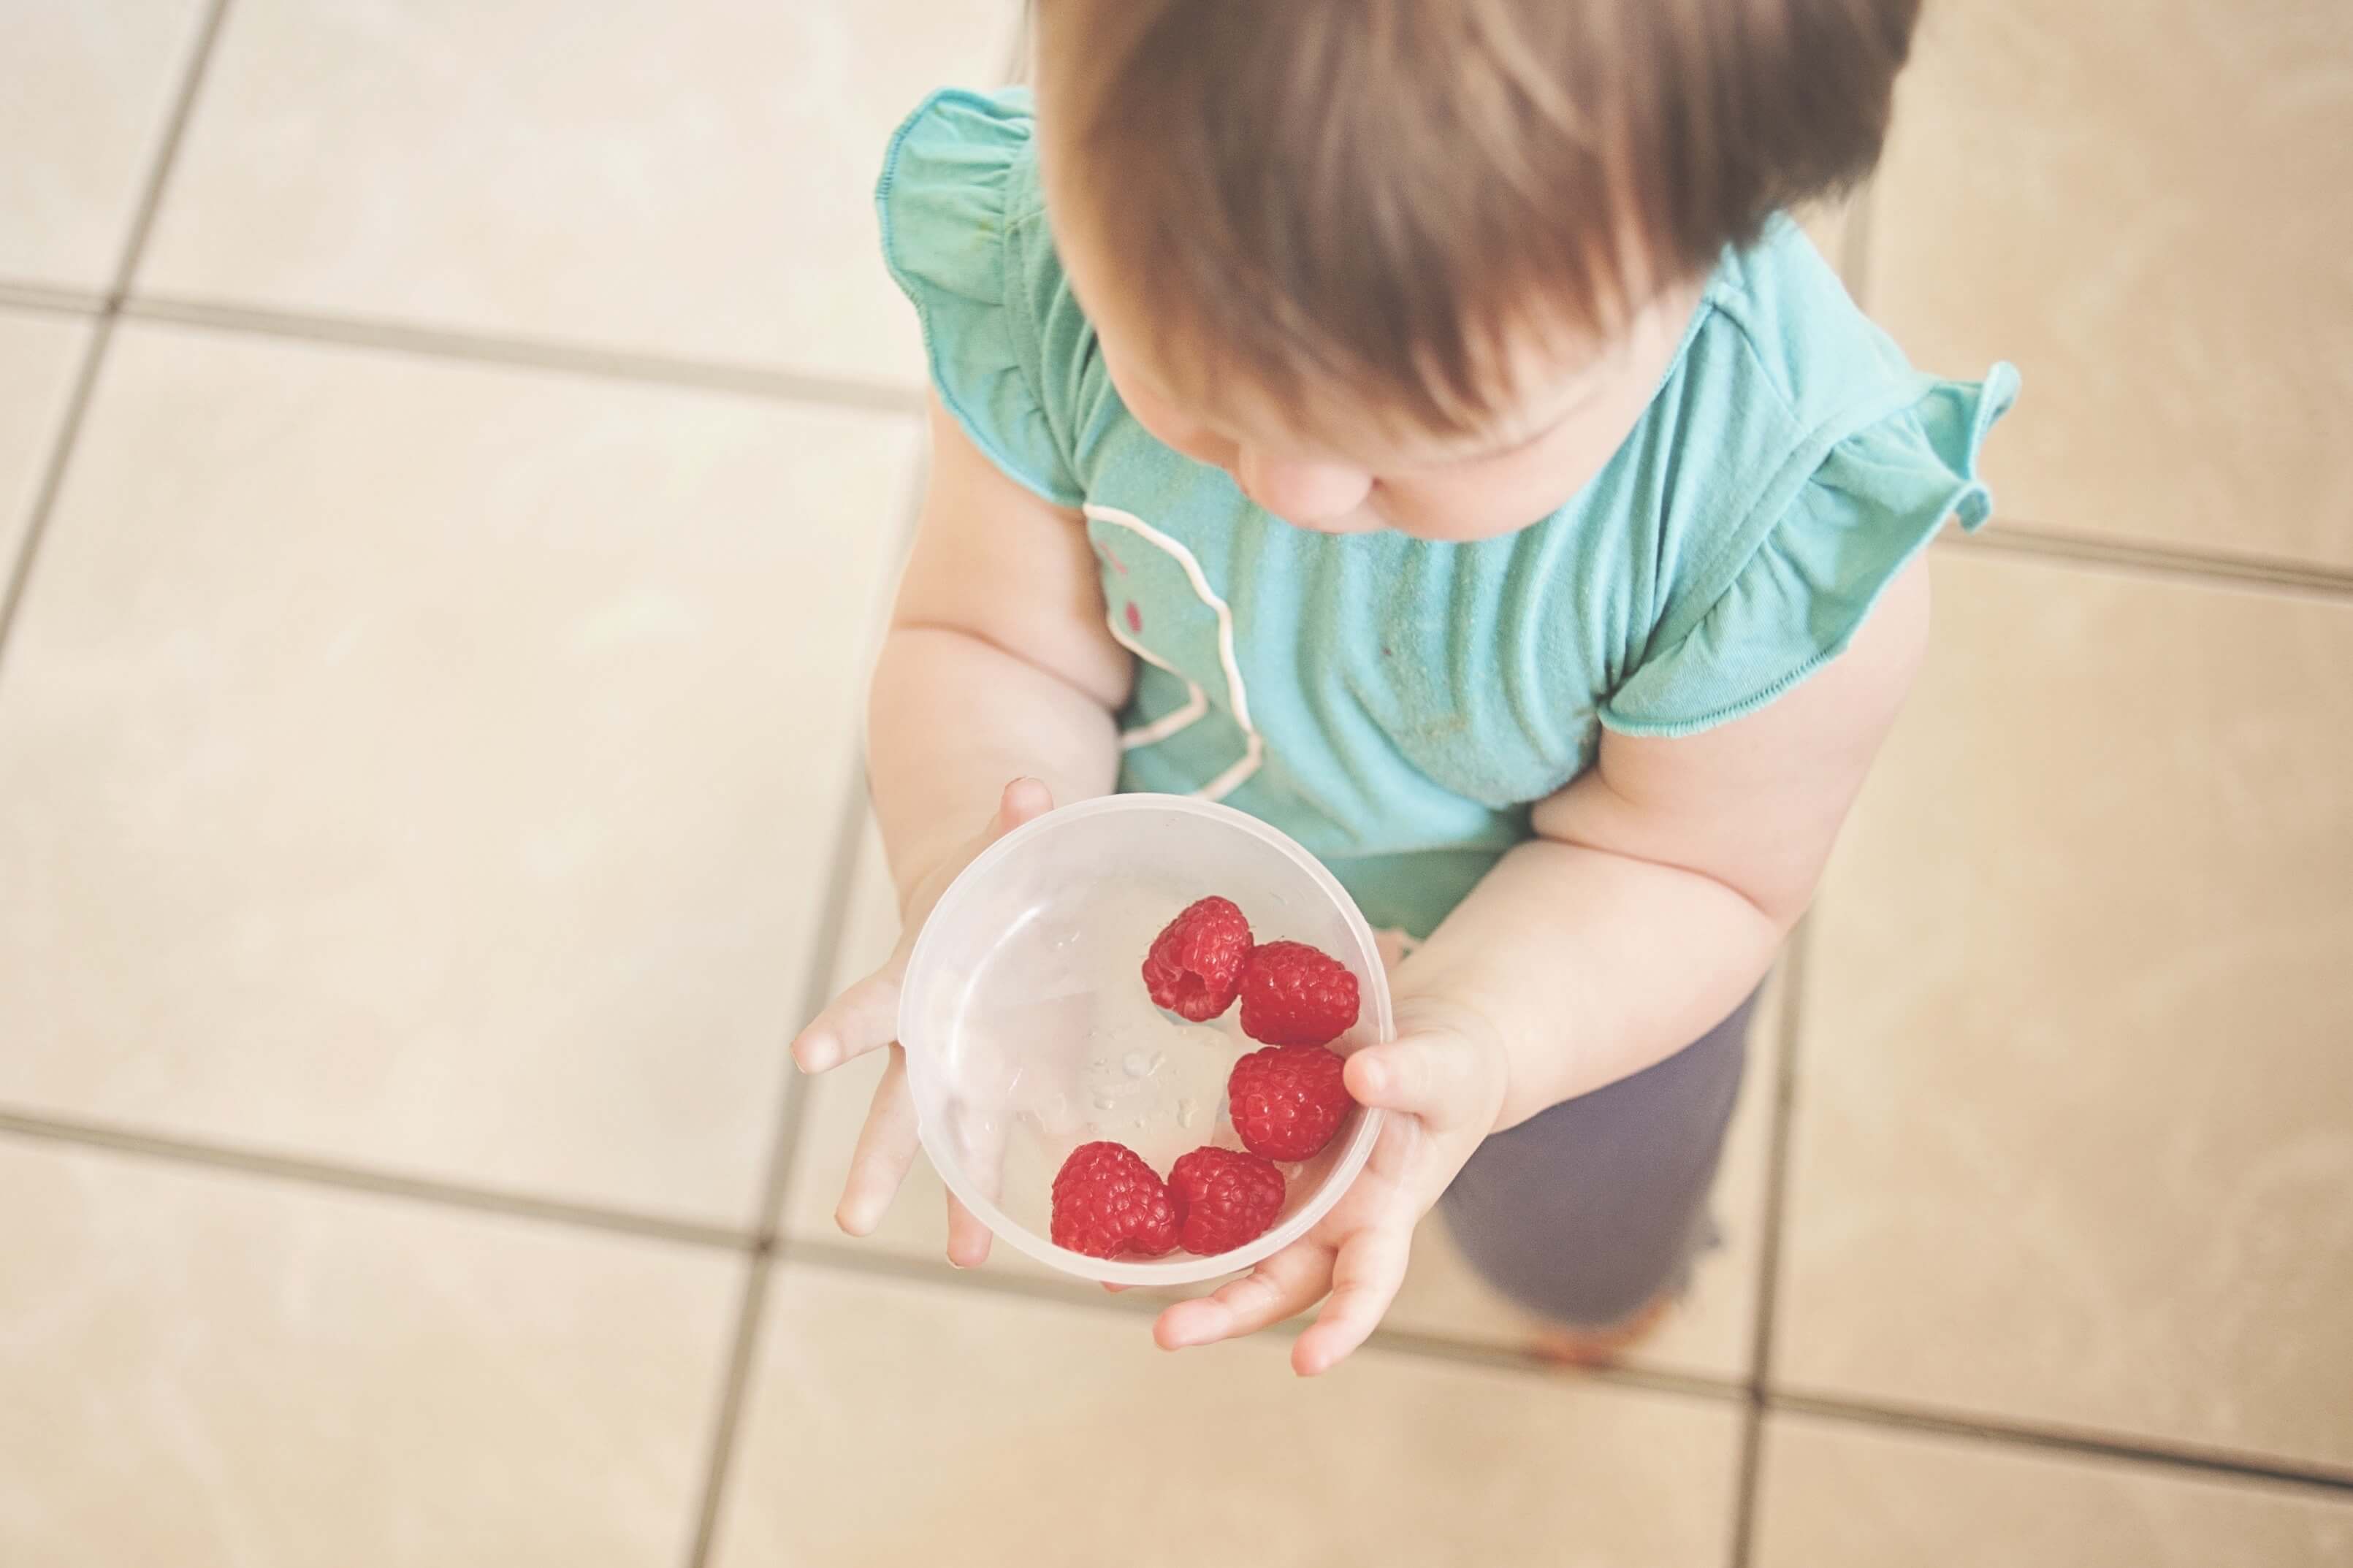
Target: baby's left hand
<point>1442,1083</point>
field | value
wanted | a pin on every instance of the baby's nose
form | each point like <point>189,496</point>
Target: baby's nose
<point>1311,495</point>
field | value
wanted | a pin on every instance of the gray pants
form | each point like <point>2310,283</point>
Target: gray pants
<point>1588,1211</point>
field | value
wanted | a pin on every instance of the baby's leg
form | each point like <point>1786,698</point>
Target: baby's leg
<point>1592,1210</point>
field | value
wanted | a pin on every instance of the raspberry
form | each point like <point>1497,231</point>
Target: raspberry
<point>1294,995</point>
<point>1288,1100</point>
<point>1226,1198</point>
<point>1195,962</point>
<point>1107,1201</point>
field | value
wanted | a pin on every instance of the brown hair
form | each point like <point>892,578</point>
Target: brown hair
<point>1373,194</point>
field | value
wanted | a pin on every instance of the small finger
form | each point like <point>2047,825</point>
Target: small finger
<point>854,1023</point>
<point>886,1147</point>
<point>1283,1285</point>
<point>1365,1277</point>
<point>968,1238</point>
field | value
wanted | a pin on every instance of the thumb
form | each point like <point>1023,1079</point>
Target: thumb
<point>1023,800</point>
<point>1438,1076</point>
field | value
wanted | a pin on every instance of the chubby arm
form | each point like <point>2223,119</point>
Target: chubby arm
<point>998,667</point>
<point>1662,881</point>
<point>997,664</point>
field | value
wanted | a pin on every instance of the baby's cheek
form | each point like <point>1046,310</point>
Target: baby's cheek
<point>1200,446</point>
<point>1175,432</point>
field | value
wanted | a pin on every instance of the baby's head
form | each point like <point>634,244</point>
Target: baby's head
<point>1419,264</point>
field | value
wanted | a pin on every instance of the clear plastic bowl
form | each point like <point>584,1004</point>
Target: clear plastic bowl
<point>1029,1032</point>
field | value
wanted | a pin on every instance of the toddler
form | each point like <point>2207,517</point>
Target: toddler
<point>1417,423</point>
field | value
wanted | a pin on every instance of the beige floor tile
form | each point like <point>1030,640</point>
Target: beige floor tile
<point>1709,1334</point>
<point>869,924</point>
<point>432,767</point>
<point>892,1423</point>
<point>1835,1496</point>
<point>2149,216</point>
<point>213,1369</point>
<point>85,88</point>
<point>2072,1143</point>
<point>38,356</point>
<point>691,178</point>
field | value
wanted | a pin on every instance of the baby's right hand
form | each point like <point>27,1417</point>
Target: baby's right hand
<point>867,1016</point>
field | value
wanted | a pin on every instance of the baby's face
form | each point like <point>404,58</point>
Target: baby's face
<point>1570,407</point>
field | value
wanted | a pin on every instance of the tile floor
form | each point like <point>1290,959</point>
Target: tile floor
<point>450,457</point>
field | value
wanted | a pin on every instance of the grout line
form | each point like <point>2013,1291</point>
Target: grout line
<point>1649,1379</point>
<point>729,1417</point>
<point>16,573</point>
<point>19,572</point>
<point>867,1261</point>
<point>167,153</point>
<point>476,348</point>
<point>2014,536</point>
<point>846,1257</point>
<point>823,957</point>
<point>841,876</point>
<point>813,390</point>
<point>42,296</point>
<point>735,1377</point>
<point>381,1183</point>
<point>1775,1210</point>
<point>2189,1458</point>
<point>2008,536</point>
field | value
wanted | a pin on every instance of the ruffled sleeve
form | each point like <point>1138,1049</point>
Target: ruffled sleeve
<point>1877,497</point>
<point>952,196</point>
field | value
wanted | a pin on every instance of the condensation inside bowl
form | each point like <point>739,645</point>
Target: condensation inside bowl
<point>1029,1013</point>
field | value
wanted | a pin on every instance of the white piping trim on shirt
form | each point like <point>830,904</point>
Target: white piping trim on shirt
<point>1254,748</point>
<point>1176,719</point>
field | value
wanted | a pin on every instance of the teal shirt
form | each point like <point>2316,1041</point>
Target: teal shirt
<point>1394,704</point>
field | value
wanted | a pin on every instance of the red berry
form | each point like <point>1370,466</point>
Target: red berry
<point>1195,962</point>
<point>1294,995</point>
<point>1107,1201</point>
<point>1226,1198</point>
<point>1288,1100</point>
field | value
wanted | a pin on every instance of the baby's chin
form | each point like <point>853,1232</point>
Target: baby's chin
<point>1363,519</point>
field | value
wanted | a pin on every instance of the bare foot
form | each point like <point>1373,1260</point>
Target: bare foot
<point>1565,1346</point>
